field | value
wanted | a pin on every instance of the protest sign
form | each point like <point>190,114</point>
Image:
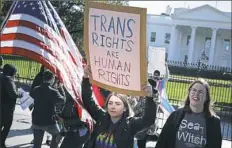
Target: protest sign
<point>156,60</point>
<point>26,100</point>
<point>115,44</point>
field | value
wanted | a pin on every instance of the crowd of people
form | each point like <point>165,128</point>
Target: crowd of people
<point>122,119</point>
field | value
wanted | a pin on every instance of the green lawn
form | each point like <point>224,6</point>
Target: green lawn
<point>25,69</point>
<point>175,90</point>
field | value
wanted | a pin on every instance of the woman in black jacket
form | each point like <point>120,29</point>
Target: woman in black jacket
<point>115,127</point>
<point>195,125</point>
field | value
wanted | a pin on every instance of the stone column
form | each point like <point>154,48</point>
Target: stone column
<point>192,43</point>
<point>171,51</point>
<point>212,46</point>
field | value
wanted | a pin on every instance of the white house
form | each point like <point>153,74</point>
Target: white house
<point>202,33</point>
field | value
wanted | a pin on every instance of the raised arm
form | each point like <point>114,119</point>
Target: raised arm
<point>166,77</point>
<point>94,109</point>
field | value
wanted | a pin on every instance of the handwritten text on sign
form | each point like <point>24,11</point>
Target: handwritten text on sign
<point>114,46</point>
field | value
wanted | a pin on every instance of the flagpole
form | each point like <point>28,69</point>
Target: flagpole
<point>12,7</point>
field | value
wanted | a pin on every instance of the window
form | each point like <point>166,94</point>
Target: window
<point>167,38</point>
<point>185,58</point>
<point>207,42</point>
<point>153,35</point>
<point>226,44</point>
<point>188,40</point>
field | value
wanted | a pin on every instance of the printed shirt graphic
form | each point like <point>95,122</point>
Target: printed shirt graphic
<point>192,131</point>
<point>105,140</point>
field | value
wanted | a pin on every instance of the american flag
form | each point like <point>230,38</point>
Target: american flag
<point>33,29</point>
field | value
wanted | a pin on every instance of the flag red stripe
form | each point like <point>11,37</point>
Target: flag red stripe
<point>98,95</point>
<point>16,23</point>
<point>27,38</point>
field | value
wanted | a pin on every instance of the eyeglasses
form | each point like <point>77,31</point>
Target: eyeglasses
<point>194,91</point>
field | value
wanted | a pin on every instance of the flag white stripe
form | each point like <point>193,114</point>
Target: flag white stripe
<point>30,32</point>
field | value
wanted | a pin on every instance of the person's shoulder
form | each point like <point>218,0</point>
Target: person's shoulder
<point>178,111</point>
<point>214,121</point>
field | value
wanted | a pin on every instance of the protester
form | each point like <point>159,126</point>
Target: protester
<point>9,95</point>
<point>115,126</point>
<point>151,133</point>
<point>38,80</point>
<point>157,76</point>
<point>76,132</point>
<point>194,125</point>
<point>45,100</point>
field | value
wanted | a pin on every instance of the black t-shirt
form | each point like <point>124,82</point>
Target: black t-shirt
<point>192,131</point>
<point>106,139</point>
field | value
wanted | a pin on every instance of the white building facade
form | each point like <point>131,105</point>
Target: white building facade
<point>190,35</point>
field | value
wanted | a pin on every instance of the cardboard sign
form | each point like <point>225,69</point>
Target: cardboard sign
<point>156,60</point>
<point>115,44</point>
<point>26,100</point>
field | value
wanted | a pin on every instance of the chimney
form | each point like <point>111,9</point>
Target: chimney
<point>168,10</point>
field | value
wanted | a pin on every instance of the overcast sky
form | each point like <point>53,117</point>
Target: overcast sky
<point>158,7</point>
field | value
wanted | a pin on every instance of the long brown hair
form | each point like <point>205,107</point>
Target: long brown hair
<point>208,110</point>
<point>124,99</point>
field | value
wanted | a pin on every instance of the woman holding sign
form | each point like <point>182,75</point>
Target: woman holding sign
<point>115,126</point>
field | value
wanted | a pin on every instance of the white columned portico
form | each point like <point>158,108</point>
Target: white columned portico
<point>212,46</point>
<point>179,42</point>
<point>171,52</point>
<point>192,43</point>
